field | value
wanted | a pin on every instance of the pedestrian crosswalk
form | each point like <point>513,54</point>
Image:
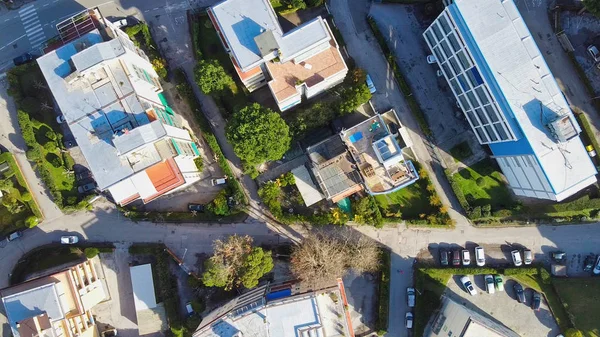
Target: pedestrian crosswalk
<point>33,28</point>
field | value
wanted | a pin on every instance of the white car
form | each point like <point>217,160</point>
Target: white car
<point>410,297</point>
<point>69,239</point>
<point>466,282</point>
<point>489,284</point>
<point>218,181</point>
<point>596,270</point>
<point>466,257</point>
<point>593,51</point>
<point>120,23</point>
<point>479,256</point>
<point>409,320</point>
<point>516,257</point>
<point>431,59</point>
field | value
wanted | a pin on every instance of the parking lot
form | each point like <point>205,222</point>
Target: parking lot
<point>504,307</point>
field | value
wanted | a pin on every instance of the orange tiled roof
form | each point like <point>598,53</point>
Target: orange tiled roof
<point>245,75</point>
<point>323,65</point>
<point>165,176</point>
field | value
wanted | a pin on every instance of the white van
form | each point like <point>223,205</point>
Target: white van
<point>218,181</point>
<point>479,256</point>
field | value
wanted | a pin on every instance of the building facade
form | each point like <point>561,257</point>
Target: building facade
<point>303,62</point>
<point>111,99</point>
<point>510,98</point>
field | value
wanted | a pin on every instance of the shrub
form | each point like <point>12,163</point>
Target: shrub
<point>250,170</point>
<point>159,65</point>
<point>475,213</point>
<point>502,213</point>
<point>314,3</point>
<point>50,146</point>
<point>287,179</point>
<point>486,211</point>
<point>199,163</point>
<point>480,181</point>
<point>367,212</point>
<point>32,221</point>
<point>211,77</point>
<point>572,332</point>
<point>382,318</point>
<point>34,153</point>
<point>91,252</point>
<point>55,160</point>
<point>68,160</point>
<point>219,205</point>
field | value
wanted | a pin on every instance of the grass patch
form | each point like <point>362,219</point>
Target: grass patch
<point>588,133</point>
<point>44,258</point>
<point>461,152</point>
<point>483,184</point>
<point>581,299</point>
<point>383,302</point>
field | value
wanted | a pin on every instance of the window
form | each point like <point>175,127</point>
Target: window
<point>446,49</point>
<point>454,42</point>
<point>473,100</point>
<point>445,25</point>
<point>463,83</point>
<point>464,103</point>
<point>472,118</point>
<point>438,54</point>
<point>455,86</point>
<point>455,66</point>
<point>491,133</point>
<point>430,38</point>
<point>481,95</point>
<point>491,112</point>
<point>447,70</point>
<point>501,132</point>
<point>481,135</point>
<point>476,75</point>
<point>436,30</point>
<point>481,116</point>
<point>466,63</point>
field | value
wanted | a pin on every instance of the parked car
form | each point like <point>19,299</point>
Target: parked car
<point>60,119</point>
<point>456,258</point>
<point>594,53</point>
<point>519,292</point>
<point>22,59</point>
<point>69,239</point>
<point>466,282</point>
<point>489,284</point>
<point>516,257</point>
<point>408,320</point>
<point>218,181</point>
<point>466,257</point>
<point>588,263</point>
<point>536,300</point>
<point>596,270</point>
<point>527,257</point>
<point>410,297</point>
<point>370,84</point>
<point>196,207</point>
<point>14,235</point>
<point>479,256</point>
<point>86,188</point>
<point>499,283</point>
<point>109,333</point>
<point>444,257</point>
<point>431,59</point>
<point>559,256</point>
<point>189,308</point>
<point>120,23</point>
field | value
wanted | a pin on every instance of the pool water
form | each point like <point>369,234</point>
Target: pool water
<point>345,205</point>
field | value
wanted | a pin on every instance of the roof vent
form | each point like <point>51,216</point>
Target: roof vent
<point>308,66</point>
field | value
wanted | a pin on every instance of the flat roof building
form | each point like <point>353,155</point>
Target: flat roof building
<point>302,62</point>
<point>510,98</point>
<point>456,320</point>
<point>111,99</point>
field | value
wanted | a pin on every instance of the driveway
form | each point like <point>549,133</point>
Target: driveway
<point>504,307</point>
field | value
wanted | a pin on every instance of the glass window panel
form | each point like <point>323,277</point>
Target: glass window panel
<point>482,135</point>
<point>481,95</point>
<point>455,86</point>
<point>447,70</point>
<point>503,135</point>
<point>490,132</point>
<point>463,60</point>
<point>455,66</point>
<point>491,112</point>
<point>463,83</point>
<point>437,31</point>
<point>464,103</point>
<point>454,42</point>
<point>438,54</point>
<point>481,115</point>
<point>430,38</point>
<point>471,78</point>
<point>446,49</point>
<point>472,118</point>
<point>445,25</point>
<point>473,100</point>
<point>476,75</point>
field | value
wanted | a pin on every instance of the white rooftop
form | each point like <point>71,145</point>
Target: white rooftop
<point>241,21</point>
<point>308,190</point>
<point>528,85</point>
<point>143,287</point>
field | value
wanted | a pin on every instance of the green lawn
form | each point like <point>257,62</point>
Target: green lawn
<point>581,298</point>
<point>410,201</point>
<point>483,184</point>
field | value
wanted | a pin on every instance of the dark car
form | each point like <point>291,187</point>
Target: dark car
<point>559,256</point>
<point>536,300</point>
<point>25,58</point>
<point>86,188</point>
<point>519,292</point>
<point>588,264</point>
<point>196,208</point>
<point>456,258</point>
<point>83,175</point>
<point>444,258</point>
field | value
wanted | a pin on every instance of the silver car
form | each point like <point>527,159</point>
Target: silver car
<point>596,270</point>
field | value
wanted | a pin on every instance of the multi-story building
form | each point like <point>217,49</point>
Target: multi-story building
<point>57,305</point>
<point>283,310</point>
<point>302,62</point>
<point>111,98</point>
<point>510,98</point>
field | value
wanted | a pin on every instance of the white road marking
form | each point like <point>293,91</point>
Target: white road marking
<point>13,41</point>
<point>33,28</point>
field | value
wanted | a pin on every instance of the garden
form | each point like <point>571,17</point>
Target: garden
<point>18,209</point>
<point>581,299</point>
<point>141,37</point>
<point>43,136</point>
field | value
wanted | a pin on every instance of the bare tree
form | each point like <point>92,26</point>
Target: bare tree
<point>322,257</point>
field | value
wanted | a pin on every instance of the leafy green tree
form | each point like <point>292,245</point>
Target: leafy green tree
<point>593,6</point>
<point>258,134</point>
<point>6,185</point>
<point>211,77</point>
<point>235,262</point>
<point>219,205</point>
<point>573,333</point>
<point>367,212</point>
<point>269,193</point>
<point>91,252</point>
<point>353,97</point>
<point>287,179</point>
<point>11,203</point>
<point>32,221</point>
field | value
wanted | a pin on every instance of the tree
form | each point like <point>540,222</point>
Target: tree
<point>573,333</point>
<point>6,185</point>
<point>211,77</point>
<point>219,205</point>
<point>593,6</point>
<point>258,134</point>
<point>32,221</point>
<point>321,258</point>
<point>91,252</point>
<point>367,212</point>
<point>11,203</point>
<point>287,179</point>
<point>235,262</point>
<point>353,97</point>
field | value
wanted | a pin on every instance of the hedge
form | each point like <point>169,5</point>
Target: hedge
<point>8,158</point>
<point>414,106</point>
<point>383,305</point>
<point>588,132</point>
